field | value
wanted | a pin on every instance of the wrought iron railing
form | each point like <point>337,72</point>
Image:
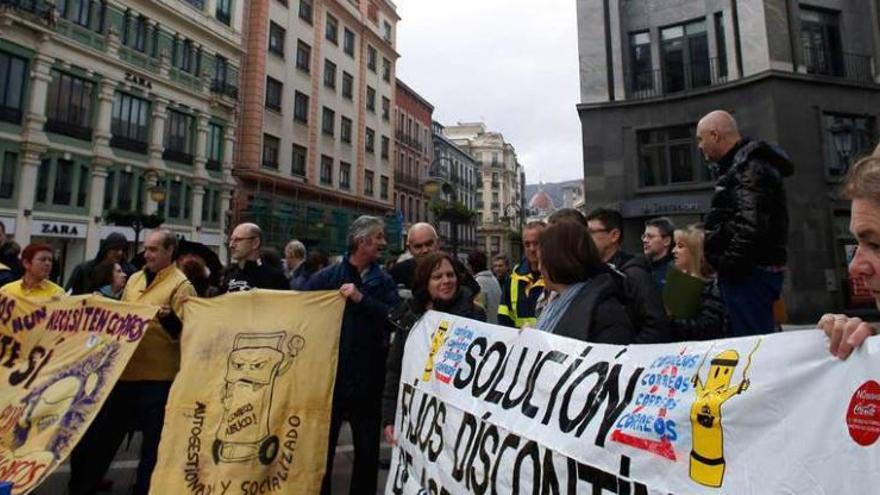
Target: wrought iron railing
<point>851,66</point>
<point>675,78</point>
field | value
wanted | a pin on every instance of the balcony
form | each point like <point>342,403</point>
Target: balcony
<point>850,66</point>
<point>675,79</point>
<point>68,129</point>
<point>224,88</point>
<point>128,144</point>
<point>177,156</point>
<point>406,180</point>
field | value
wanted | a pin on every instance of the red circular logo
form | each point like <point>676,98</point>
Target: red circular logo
<point>863,415</point>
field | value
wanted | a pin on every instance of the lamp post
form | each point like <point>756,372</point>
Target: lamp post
<point>157,194</point>
<point>435,184</point>
<point>843,143</point>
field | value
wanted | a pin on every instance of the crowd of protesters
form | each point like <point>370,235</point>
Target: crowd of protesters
<point>575,280</point>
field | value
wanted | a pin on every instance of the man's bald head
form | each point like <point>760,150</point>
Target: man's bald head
<point>245,242</point>
<point>422,239</point>
<point>717,133</point>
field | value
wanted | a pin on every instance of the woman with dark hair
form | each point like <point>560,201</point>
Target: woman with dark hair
<point>315,262</point>
<point>109,279</point>
<point>589,305</point>
<point>435,286</point>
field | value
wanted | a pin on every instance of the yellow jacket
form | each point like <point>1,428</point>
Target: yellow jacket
<point>43,290</point>
<point>158,354</point>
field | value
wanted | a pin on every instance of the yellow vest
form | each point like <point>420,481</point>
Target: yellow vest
<point>158,355</point>
<point>43,290</point>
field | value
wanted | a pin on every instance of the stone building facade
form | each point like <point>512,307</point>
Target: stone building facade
<point>101,101</point>
<point>413,157</point>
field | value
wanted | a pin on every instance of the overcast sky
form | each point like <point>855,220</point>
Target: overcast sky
<point>509,63</point>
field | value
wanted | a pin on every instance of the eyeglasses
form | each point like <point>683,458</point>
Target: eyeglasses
<point>233,240</point>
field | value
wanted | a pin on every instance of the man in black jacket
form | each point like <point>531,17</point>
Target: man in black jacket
<point>249,272</point>
<point>421,240</point>
<point>644,303</point>
<point>113,248</point>
<point>747,225</point>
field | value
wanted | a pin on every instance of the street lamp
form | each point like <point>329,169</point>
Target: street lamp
<point>446,209</point>
<point>157,193</point>
<point>507,217</point>
<point>842,136</point>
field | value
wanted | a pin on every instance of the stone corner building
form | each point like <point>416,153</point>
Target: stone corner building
<point>804,75</point>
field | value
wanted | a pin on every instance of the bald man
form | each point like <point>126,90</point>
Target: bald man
<point>248,271</point>
<point>747,225</point>
<point>421,240</point>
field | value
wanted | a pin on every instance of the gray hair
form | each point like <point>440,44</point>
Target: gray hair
<point>364,226</point>
<point>296,249</point>
<point>169,240</point>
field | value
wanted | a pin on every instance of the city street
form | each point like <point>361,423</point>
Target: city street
<point>123,469</point>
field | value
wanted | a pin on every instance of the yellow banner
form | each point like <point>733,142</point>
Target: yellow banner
<point>58,362</point>
<point>249,411</point>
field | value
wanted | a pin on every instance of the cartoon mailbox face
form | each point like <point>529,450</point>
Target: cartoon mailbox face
<point>253,365</point>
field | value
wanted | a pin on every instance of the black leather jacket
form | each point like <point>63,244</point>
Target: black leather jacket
<point>747,225</point>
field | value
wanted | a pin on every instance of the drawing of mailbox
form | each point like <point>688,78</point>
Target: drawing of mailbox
<point>256,361</point>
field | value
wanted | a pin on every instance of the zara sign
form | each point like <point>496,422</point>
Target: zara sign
<point>49,228</point>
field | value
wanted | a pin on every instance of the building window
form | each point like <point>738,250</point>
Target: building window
<point>345,130</point>
<point>274,88</point>
<point>385,144</point>
<point>271,145</point>
<point>348,42</point>
<point>298,161</point>
<point>328,121</point>
<point>215,147</point>
<point>326,170</point>
<point>276,39</point>
<point>70,183</point>
<point>371,58</point>
<point>370,140</point>
<point>211,206</point>
<point>642,73</point>
<point>179,137</point>
<point>130,124</point>
<point>371,99</point>
<point>70,105</point>
<point>135,32</point>
<point>330,74</point>
<point>368,182</point>
<point>178,201</point>
<point>78,11</point>
<point>7,174</point>
<point>820,39</point>
<point>224,11</point>
<point>221,73</point>
<point>331,30</point>
<point>386,69</point>
<point>670,156</point>
<point>383,188</point>
<point>300,107</point>
<point>305,10</point>
<point>129,190</point>
<point>186,59</point>
<point>386,31</point>
<point>685,53</point>
<point>344,175</point>
<point>13,74</point>
<point>720,45</point>
<point>847,139</point>
<point>303,56</point>
<point>386,109</point>
<point>347,85</point>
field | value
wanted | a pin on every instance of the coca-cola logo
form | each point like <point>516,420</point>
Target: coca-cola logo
<point>863,414</point>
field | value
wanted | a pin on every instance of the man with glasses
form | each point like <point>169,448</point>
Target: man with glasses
<point>248,271</point>
<point>657,244</point>
<point>644,302</point>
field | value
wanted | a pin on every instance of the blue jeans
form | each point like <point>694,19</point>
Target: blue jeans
<point>749,301</point>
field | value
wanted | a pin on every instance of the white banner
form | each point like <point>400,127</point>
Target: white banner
<point>488,409</point>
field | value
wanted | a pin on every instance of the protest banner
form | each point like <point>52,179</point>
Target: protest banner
<point>488,409</point>
<point>59,361</point>
<point>249,411</point>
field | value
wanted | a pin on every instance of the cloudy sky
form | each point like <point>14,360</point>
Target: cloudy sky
<point>509,63</point>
